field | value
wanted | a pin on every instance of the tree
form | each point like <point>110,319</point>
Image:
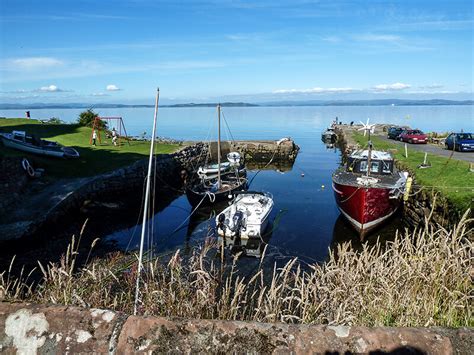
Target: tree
<point>87,118</point>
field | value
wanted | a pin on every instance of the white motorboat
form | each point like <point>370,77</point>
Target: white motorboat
<point>247,216</point>
<point>29,143</point>
<point>329,135</point>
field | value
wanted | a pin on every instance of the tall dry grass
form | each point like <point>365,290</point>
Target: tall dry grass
<point>422,278</point>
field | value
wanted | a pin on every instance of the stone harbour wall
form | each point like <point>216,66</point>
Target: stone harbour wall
<point>53,329</point>
<point>261,151</point>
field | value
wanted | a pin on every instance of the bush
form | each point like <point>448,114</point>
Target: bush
<point>87,118</point>
<point>55,120</point>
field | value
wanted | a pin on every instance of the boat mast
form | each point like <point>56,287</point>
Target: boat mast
<point>219,146</point>
<point>145,206</point>
<point>369,158</point>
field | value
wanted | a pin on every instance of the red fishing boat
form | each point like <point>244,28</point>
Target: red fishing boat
<point>368,189</point>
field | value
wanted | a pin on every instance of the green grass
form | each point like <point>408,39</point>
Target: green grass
<point>93,160</point>
<point>451,177</point>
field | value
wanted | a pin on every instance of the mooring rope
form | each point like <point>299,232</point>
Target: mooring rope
<point>259,170</point>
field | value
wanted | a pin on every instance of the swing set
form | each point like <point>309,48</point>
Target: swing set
<point>117,121</point>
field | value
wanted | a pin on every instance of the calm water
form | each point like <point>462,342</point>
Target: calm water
<point>306,218</point>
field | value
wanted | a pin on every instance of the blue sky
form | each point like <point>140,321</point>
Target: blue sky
<point>120,51</point>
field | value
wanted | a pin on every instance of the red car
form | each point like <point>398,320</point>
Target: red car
<point>413,136</point>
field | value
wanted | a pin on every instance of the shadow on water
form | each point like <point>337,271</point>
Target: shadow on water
<point>344,233</point>
<point>107,215</point>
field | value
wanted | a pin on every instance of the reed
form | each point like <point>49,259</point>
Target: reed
<point>421,278</point>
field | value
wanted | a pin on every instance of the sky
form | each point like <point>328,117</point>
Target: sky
<point>120,51</point>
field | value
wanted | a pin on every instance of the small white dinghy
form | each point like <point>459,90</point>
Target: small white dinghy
<point>210,171</point>
<point>247,216</point>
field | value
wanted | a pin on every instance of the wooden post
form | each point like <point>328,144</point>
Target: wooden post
<point>406,150</point>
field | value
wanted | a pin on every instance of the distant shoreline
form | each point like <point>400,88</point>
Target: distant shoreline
<point>386,102</point>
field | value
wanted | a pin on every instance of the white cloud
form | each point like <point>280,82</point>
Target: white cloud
<point>394,87</point>
<point>331,39</point>
<point>50,88</point>
<point>377,38</point>
<point>112,87</point>
<point>432,86</point>
<point>314,91</point>
<point>33,63</point>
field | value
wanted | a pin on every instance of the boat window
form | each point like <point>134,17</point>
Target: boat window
<point>363,165</point>
<point>374,167</point>
<point>386,167</point>
<point>18,137</point>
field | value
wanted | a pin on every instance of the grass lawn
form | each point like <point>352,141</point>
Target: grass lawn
<point>93,160</point>
<point>449,176</point>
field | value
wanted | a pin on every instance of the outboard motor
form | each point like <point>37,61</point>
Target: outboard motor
<point>220,222</point>
<point>237,220</point>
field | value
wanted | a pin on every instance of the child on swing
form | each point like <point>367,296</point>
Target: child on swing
<point>114,136</point>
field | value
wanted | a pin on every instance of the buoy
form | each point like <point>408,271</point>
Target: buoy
<point>302,174</point>
<point>407,188</point>
<point>322,186</point>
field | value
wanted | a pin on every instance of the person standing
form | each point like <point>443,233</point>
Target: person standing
<point>94,137</point>
<point>114,136</point>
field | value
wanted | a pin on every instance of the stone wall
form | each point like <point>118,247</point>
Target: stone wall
<point>259,151</point>
<point>43,329</point>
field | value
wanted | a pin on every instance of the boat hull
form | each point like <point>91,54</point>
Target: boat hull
<point>366,208</point>
<point>57,153</point>
<point>201,197</point>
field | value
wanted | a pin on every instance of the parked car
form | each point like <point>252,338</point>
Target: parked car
<point>462,142</point>
<point>413,136</point>
<point>394,132</point>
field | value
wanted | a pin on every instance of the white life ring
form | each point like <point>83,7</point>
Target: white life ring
<point>27,167</point>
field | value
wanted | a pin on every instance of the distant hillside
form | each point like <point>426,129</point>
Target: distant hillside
<point>38,105</point>
<point>224,104</point>
<point>384,102</point>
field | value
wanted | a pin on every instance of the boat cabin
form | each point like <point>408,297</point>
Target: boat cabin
<point>20,136</point>
<point>381,163</point>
